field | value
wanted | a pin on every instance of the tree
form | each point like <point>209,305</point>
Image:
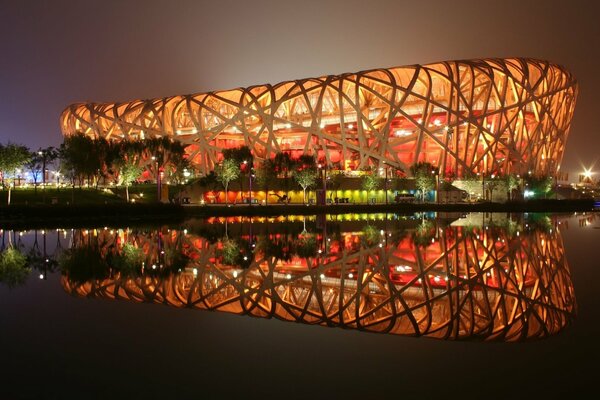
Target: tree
<point>79,154</point>
<point>424,174</point>
<point>370,181</point>
<point>512,183</point>
<point>284,164</point>
<point>471,184</point>
<point>130,171</point>
<point>491,184</point>
<point>538,184</point>
<point>334,182</point>
<point>244,159</point>
<point>167,153</point>
<point>226,172</point>
<point>40,159</point>
<point>34,165</point>
<point>306,178</point>
<point>12,157</point>
<point>13,267</point>
<point>265,175</point>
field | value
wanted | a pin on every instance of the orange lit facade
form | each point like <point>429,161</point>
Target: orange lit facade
<point>477,116</point>
<point>459,283</point>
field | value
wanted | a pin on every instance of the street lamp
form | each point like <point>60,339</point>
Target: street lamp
<point>437,184</point>
<point>324,167</point>
<point>250,177</point>
<point>158,183</point>
<point>385,183</point>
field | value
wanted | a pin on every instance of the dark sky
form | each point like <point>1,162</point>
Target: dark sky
<point>53,53</point>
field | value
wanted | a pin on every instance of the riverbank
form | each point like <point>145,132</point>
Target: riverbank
<point>105,214</point>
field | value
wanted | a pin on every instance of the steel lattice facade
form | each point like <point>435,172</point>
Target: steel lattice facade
<point>478,116</point>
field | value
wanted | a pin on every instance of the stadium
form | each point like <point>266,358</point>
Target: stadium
<point>491,116</point>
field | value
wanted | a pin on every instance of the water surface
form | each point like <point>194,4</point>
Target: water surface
<point>109,310</point>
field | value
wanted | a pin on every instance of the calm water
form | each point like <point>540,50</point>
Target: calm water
<point>352,305</point>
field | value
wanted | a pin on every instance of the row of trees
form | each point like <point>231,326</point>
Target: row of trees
<point>238,163</point>
<point>82,159</point>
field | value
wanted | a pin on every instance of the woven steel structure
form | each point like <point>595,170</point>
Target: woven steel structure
<point>469,283</point>
<point>479,116</point>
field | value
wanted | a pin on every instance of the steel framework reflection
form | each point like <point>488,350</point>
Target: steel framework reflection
<point>442,282</point>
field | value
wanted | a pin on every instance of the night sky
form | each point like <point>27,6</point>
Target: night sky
<point>53,53</point>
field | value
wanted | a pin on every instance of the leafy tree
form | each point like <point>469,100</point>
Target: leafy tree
<point>226,172</point>
<point>130,171</point>
<point>491,183</point>
<point>370,181</point>
<point>13,267</point>
<point>305,172</point>
<point>82,264</point>
<point>306,178</point>
<point>12,157</point>
<point>424,175</point>
<point>334,182</point>
<point>471,183</point>
<point>34,166</point>
<point>284,164</point>
<point>370,235</point>
<point>424,233</point>
<point>512,183</point>
<point>539,185</point>
<point>265,175</point>
<point>167,153</point>
<point>244,159</point>
<point>240,155</point>
<point>78,154</point>
<point>129,260</point>
<point>39,162</point>
<point>306,245</point>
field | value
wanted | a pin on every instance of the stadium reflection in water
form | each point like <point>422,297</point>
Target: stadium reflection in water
<point>471,278</point>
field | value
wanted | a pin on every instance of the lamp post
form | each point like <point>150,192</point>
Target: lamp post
<point>157,178</point>
<point>385,183</point>
<point>324,178</point>
<point>250,176</point>
<point>41,154</point>
<point>437,184</point>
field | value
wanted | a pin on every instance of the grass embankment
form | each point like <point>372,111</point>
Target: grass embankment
<point>79,196</point>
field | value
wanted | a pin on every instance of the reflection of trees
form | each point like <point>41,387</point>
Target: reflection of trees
<point>83,264</point>
<point>278,247</point>
<point>306,245</point>
<point>471,283</point>
<point>13,267</point>
<point>424,234</point>
<point>370,235</point>
<point>129,260</point>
